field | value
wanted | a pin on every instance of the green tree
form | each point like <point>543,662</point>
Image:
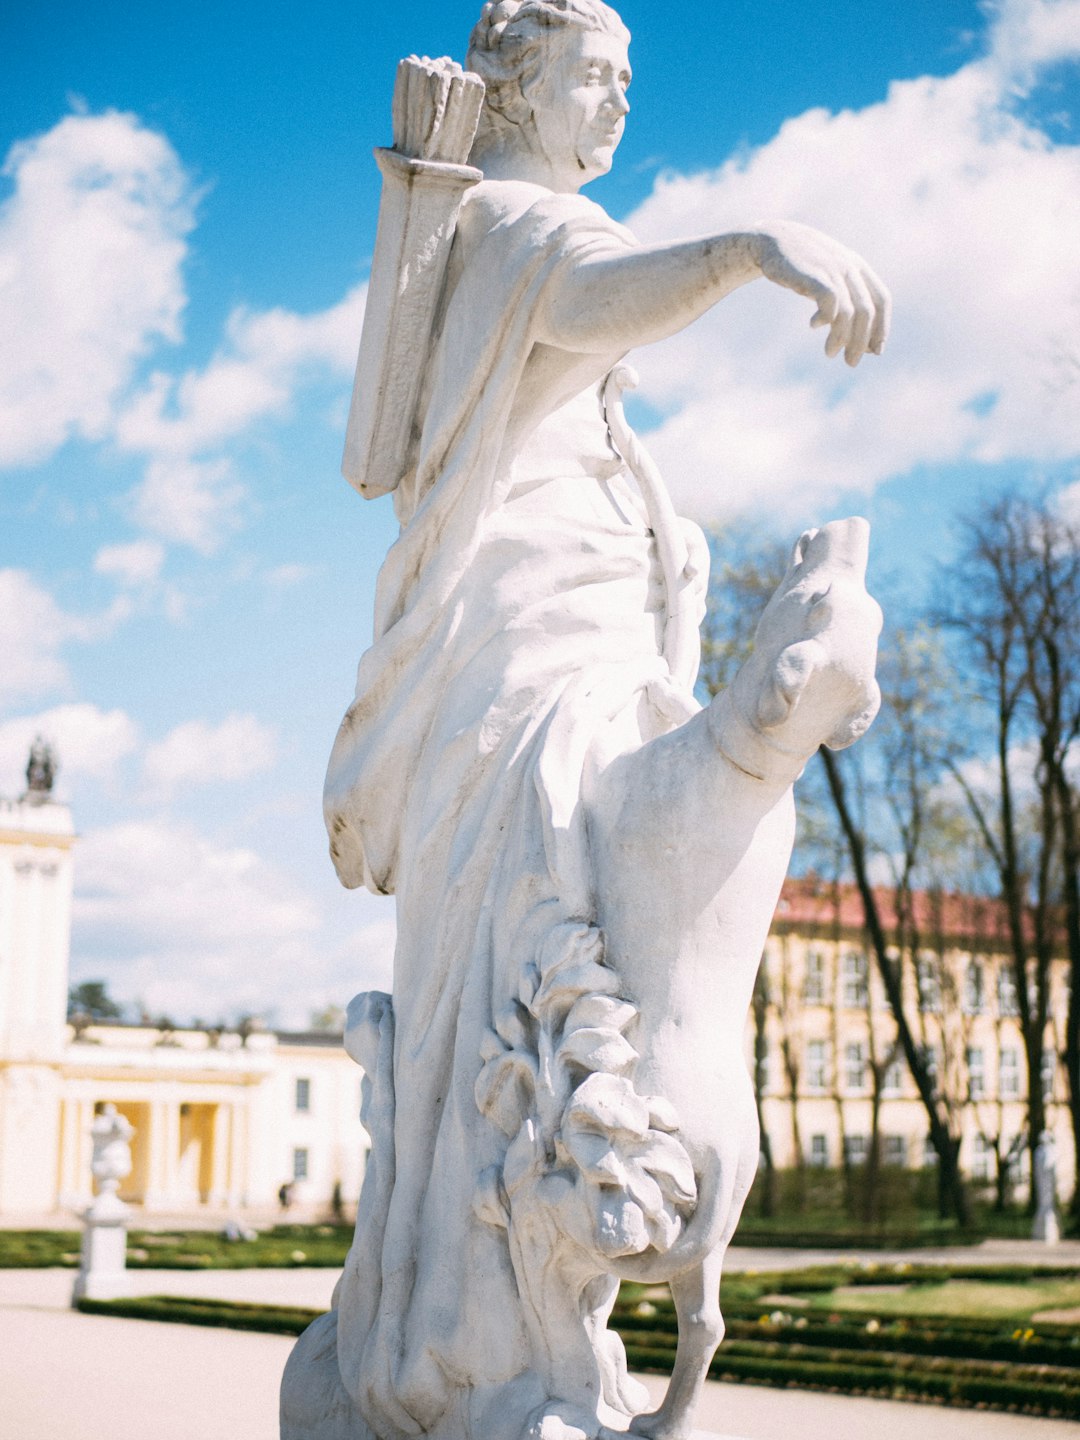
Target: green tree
<point>92,998</point>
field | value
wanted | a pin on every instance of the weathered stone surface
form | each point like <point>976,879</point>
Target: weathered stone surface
<point>585,861</point>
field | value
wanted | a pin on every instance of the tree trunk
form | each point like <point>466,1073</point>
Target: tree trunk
<point>1071,886</point>
<point>952,1189</point>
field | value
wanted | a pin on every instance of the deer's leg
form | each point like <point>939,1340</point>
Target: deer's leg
<point>696,1293</point>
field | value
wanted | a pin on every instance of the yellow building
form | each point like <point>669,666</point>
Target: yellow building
<point>221,1119</point>
<point>828,1029</point>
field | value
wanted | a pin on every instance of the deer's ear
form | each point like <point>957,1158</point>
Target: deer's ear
<point>787,683</point>
<point>799,549</point>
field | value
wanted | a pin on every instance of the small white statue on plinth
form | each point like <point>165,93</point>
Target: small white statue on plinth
<point>102,1274</point>
<point>1046,1226</point>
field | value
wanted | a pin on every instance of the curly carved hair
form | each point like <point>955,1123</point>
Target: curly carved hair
<point>506,49</point>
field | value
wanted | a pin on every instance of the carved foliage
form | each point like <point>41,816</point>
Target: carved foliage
<point>557,1079</point>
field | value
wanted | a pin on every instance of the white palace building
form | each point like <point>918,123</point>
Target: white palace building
<point>224,1118</point>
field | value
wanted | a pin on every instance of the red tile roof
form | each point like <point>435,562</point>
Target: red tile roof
<point>809,902</point>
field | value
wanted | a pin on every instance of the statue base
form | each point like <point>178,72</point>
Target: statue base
<point>102,1274</point>
<point>315,1405</point>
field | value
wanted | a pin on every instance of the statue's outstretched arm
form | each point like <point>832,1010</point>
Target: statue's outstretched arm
<point>612,302</point>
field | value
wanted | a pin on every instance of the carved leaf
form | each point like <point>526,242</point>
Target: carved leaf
<point>598,1050</point>
<point>561,988</point>
<point>595,1157</point>
<point>608,1104</point>
<point>664,1229</point>
<point>504,1089</point>
<point>640,1186</point>
<point>662,1114</point>
<point>524,1158</point>
<point>600,1011</point>
<point>621,1228</point>
<point>489,1202</point>
<point>527,985</point>
<point>665,1158</point>
<point>512,1025</point>
<point>570,963</point>
<point>491,1046</point>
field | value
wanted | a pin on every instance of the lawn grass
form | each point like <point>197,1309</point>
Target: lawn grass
<point>284,1246</point>
<point>835,1333</point>
<point>965,1298</point>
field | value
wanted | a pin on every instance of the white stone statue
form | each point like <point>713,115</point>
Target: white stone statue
<point>585,862</point>
<point>1046,1225</point>
<point>102,1267</point>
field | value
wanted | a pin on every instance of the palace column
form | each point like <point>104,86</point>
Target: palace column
<point>164,1154</point>
<point>221,1139</point>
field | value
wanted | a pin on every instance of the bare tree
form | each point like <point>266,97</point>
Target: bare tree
<point>1014,606</point>
<point>904,776</point>
<point>908,752</point>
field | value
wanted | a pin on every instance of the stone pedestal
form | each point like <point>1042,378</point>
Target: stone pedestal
<point>102,1268</point>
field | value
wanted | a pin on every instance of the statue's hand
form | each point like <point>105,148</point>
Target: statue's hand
<point>850,298</point>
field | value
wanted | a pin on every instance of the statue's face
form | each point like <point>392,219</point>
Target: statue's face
<point>579,103</point>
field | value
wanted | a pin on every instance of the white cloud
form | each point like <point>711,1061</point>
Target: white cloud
<point>284,577</point>
<point>190,493</point>
<point>91,247</point>
<point>135,563</point>
<point>1028,34</point>
<point>33,629</point>
<point>88,742</point>
<point>186,925</point>
<point>968,212</point>
<point>196,753</point>
<point>193,502</point>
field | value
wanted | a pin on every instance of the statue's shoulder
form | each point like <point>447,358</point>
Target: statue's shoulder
<point>496,204</point>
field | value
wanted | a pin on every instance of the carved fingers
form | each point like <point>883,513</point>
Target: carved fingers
<point>850,298</point>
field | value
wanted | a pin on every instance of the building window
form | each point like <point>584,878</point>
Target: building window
<point>1046,1073</point>
<point>854,1066</point>
<point>929,981</point>
<point>976,1072</point>
<point>974,998</point>
<point>815,1065</point>
<point>855,980</point>
<point>1008,1001</point>
<point>1009,1074</point>
<point>814,988</point>
<point>303,1096</point>
<point>893,1080</point>
<point>819,1152</point>
<point>929,1154</point>
<point>980,1160</point>
<point>895,1150</point>
<point>931,1063</point>
<point>856,1149</point>
<point>300,1164</point>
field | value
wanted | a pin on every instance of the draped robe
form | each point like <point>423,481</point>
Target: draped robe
<point>519,623</point>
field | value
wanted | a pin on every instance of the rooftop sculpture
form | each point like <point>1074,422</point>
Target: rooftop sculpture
<point>585,861</point>
<point>41,770</point>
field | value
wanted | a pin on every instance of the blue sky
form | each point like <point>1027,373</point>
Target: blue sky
<point>187,213</point>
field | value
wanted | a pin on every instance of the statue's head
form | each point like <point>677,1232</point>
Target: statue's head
<point>555,74</point>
